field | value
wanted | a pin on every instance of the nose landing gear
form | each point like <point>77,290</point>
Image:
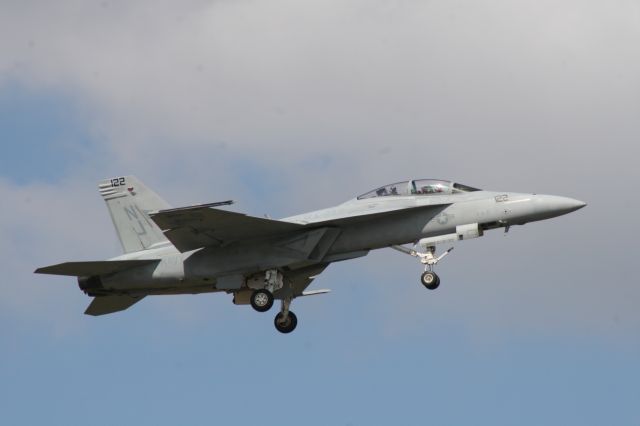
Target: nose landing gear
<point>429,279</point>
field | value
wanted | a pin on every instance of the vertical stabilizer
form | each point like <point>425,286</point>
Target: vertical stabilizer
<point>129,202</point>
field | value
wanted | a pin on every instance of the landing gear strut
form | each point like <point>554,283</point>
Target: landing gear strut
<point>429,279</point>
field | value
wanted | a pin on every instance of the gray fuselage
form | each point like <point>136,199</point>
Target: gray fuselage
<point>363,225</point>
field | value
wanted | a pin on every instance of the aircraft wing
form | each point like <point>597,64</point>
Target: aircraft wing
<point>191,228</point>
<point>103,305</point>
<point>87,269</point>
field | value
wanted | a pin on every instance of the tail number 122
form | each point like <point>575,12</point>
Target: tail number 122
<point>117,182</point>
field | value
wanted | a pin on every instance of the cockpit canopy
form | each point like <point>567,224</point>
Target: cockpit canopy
<point>419,187</point>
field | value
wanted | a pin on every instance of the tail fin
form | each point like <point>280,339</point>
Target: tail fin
<point>129,202</point>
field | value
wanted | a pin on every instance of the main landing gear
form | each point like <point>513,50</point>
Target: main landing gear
<point>262,300</point>
<point>286,321</point>
<point>429,279</point>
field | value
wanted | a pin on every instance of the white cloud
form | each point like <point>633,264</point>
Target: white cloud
<point>192,96</point>
<point>291,79</point>
<point>42,225</point>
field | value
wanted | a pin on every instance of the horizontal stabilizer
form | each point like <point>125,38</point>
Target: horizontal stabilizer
<point>87,269</point>
<point>103,305</point>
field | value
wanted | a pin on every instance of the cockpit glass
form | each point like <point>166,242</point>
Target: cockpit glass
<point>458,187</point>
<point>418,187</point>
<point>430,186</point>
<point>400,188</point>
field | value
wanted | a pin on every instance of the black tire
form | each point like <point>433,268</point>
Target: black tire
<point>289,325</point>
<point>262,300</point>
<point>430,280</point>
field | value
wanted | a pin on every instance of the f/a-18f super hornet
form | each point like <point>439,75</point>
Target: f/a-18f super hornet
<point>204,249</point>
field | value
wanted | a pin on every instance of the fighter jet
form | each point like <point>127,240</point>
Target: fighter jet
<point>206,249</point>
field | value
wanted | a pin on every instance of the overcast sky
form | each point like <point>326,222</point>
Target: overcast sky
<point>289,106</point>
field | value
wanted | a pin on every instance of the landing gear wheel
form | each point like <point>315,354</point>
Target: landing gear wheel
<point>262,300</point>
<point>430,280</point>
<point>288,325</point>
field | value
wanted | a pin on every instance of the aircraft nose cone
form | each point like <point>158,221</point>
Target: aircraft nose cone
<point>567,205</point>
<point>551,205</point>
